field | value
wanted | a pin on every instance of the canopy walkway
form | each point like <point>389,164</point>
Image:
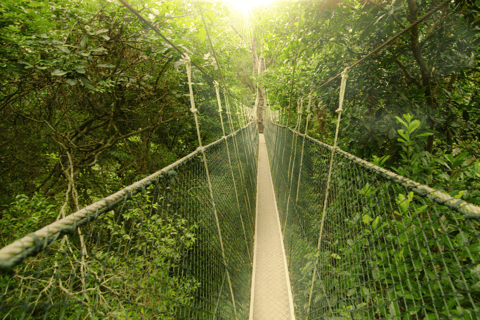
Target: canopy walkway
<point>254,226</point>
<point>180,243</point>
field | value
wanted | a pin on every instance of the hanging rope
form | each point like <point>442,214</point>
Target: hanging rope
<point>309,114</point>
<point>293,157</point>
<point>325,201</point>
<point>237,154</point>
<point>194,110</point>
<point>217,91</point>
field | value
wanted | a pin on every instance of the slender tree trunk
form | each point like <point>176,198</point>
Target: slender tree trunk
<point>258,69</point>
<point>424,69</point>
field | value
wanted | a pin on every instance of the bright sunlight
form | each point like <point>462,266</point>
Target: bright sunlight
<point>245,5</point>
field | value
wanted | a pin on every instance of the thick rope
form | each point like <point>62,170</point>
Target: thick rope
<point>16,252</point>
<point>237,154</point>
<point>325,201</point>
<point>219,101</point>
<point>293,157</point>
<point>194,110</point>
<point>309,114</point>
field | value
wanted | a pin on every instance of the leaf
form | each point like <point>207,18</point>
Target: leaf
<point>413,126</point>
<point>80,69</point>
<point>99,49</point>
<point>101,31</point>
<point>401,121</point>
<point>72,81</point>
<point>84,40</point>
<point>63,49</point>
<point>459,195</point>
<point>59,73</point>
<point>404,135</point>
<point>375,222</point>
<point>86,82</point>
<point>336,256</point>
<point>366,219</point>
<point>105,65</point>
<point>26,64</point>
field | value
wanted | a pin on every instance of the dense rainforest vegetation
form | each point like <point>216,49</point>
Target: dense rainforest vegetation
<point>431,73</point>
<point>413,108</point>
<point>92,100</point>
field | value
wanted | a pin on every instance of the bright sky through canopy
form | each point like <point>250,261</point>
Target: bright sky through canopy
<point>246,5</point>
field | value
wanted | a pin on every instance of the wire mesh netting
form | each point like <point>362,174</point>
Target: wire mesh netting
<point>390,249</point>
<point>154,252</point>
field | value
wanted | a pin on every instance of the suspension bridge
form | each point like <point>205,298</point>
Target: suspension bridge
<point>270,225</point>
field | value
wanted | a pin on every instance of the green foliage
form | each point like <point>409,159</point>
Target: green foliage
<point>429,73</point>
<point>456,174</point>
<point>91,100</point>
<point>26,215</point>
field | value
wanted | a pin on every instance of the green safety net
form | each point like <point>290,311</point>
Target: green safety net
<point>151,251</point>
<point>390,248</point>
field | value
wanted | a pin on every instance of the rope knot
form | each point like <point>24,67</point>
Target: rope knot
<point>215,83</point>
<point>201,149</point>
<point>194,110</point>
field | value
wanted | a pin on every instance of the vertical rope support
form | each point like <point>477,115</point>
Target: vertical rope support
<point>293,156</point>
<point>237,154</point>
<point>194,110</point>
<point>217,90</point>
<point>339,111</point>
<point>309,114</point>
<point>286,120</point>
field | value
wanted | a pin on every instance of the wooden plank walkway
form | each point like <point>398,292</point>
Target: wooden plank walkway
<point>271,296</point>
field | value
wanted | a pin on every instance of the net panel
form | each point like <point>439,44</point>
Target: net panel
<point>153,254</point>
<point>388,251</point>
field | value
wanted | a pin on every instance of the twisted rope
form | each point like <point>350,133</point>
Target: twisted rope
<point>219,101</point>
<point>324,211</point>
<point>194,110</point>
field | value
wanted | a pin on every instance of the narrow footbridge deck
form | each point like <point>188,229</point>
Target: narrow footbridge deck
<point>271,296</point>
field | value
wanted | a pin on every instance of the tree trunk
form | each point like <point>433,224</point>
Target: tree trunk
<point>424,69</point>
<point>260,101</point>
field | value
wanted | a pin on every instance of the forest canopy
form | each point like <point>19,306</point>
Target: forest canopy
<point>91,99</point>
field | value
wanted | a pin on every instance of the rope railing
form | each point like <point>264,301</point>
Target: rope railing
<point>166,247</point>
<point>365,243</point>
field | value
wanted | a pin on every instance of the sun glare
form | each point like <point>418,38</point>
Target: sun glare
<point>246,5</point>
